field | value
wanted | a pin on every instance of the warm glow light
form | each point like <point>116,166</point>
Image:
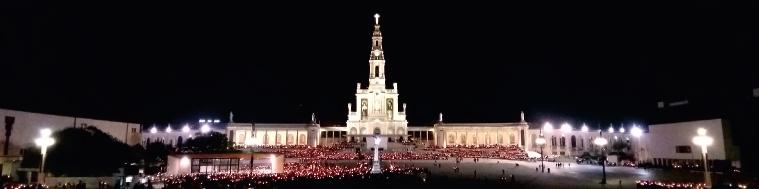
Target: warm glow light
<point>168,129</point>
<point>636,131</point>
<point>565,128</point>
<point>701,131</point>
<point>611,129</point>
<point>205,128</point>
<point>702,140</point>
<point>44,140</point>
<point>584,128</point>
<point>45,132</point>
<point>184,162</point>
<point>547,127</point>
<point>186,129</point>
<point>153,130</point>
<point>600,141</point>
<point>621,129</point>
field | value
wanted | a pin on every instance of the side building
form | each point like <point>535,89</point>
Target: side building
<point>21,128</point>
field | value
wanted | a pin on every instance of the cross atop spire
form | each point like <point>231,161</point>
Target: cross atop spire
<point>377,58</point>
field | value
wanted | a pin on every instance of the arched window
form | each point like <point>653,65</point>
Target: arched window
<point>512,139</point>
<point>377,131</point>
<point>573,141</point>
<point>463,140</point>
<point>376,71</point>
<point>563,142</point>
<point>302,139</point>
<point>553,141</point>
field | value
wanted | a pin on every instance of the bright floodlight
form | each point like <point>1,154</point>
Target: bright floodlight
<point>702,140</point>
<point>701,131</point>
<point>205,128</point>
<point>621,129</point>
<point>636,131</point>
<point>186,129</point>
<point>600,141</point>
<point>611,129</point>
<point>44,140</point>
<point>547,127</point>
<point>216,121</point>
<point>565,128</point>
<point>168,129</point>
<point>202,121</point>
<point>584,128</point>
<point>540,140</point>
<point>153,130</point>
<point>45,132</point>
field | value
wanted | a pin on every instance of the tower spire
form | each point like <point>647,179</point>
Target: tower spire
<point>377,58</point>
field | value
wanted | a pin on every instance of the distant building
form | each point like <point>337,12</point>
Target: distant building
<point>671,143</point>
<point>21,128</point>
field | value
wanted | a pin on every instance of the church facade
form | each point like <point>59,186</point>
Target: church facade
<point>377,110</point>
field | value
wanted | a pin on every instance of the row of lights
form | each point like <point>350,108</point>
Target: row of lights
<point>208,121</point>
<point>566,128</point>
<point>205,128</point>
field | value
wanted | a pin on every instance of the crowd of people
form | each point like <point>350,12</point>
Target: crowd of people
<point>293,172</point>
<point>511,152</point>
<point>339,152</point>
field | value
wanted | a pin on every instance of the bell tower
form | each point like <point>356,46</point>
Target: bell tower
<point>376,59</point>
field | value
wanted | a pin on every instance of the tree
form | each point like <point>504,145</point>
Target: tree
<point>155,155</point>
<point>212,142</point>
<point>83,152</point>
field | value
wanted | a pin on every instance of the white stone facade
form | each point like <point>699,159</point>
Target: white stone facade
<point>377,107</point>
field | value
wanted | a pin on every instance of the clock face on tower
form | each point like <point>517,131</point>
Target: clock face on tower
<point>376,52</point>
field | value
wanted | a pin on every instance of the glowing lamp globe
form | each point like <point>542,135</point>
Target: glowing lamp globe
<point>600,141</point>
<point>186,129</point>
<point>584,128</point>
<point>205,128</point>
<point>636,131</point>
<point>702,139</point>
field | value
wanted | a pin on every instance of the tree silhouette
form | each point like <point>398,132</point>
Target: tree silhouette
<point>211,142</point>
<point>83,152</point>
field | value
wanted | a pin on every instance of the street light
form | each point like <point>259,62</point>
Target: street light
<point>153,130</point>
<point>584,128</point>
<point>205,128</point>
<point>43,142</point>
<point>186,129</point>
<point>636,131</point>
<point>547,127</point>
<point>541,142</point>
<point>703,140</point>
<point>601,142</point>
<point>565,128</point>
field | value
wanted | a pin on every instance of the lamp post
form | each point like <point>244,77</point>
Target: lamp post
<point>541,142</point>
<point>703,140</point>
<point>43,142</point>
<point>601,142</point>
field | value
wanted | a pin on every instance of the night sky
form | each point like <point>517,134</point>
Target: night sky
<point>176,62</point>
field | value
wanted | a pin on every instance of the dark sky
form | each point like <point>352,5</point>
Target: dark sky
<point>163,62</point>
